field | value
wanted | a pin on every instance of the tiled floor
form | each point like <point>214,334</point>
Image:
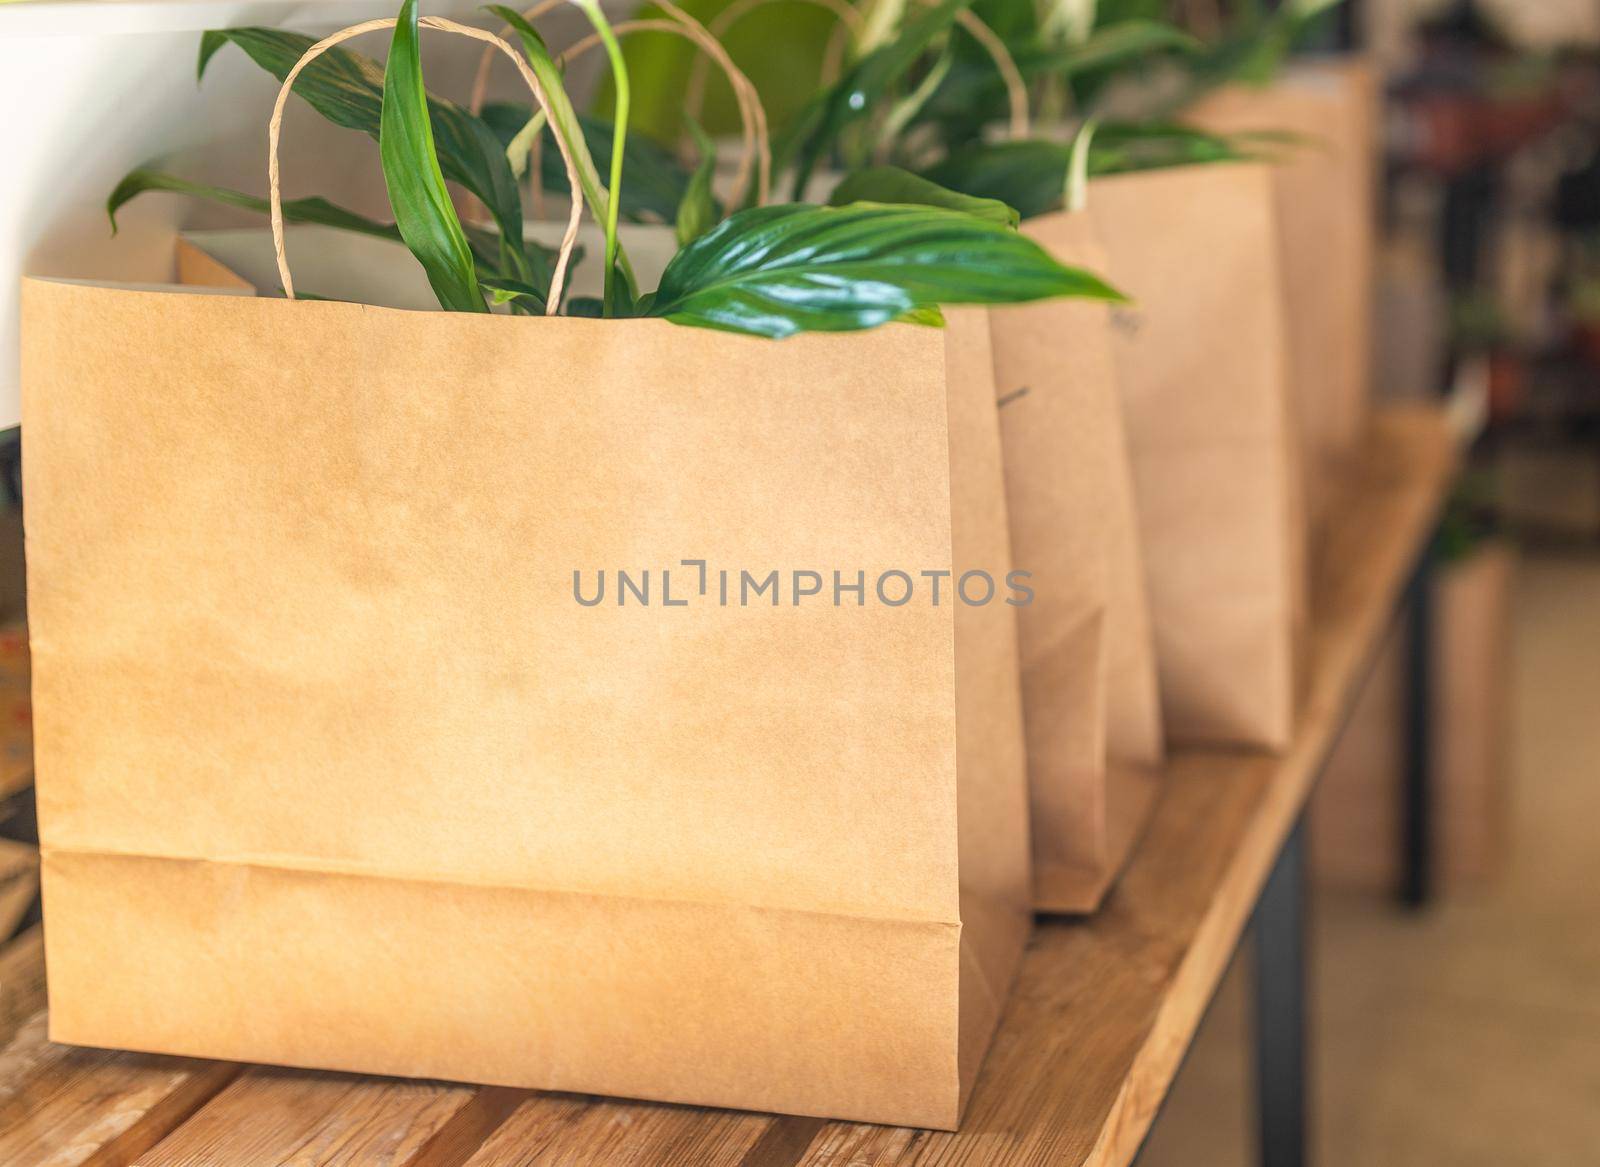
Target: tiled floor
<point>1469,1036</point>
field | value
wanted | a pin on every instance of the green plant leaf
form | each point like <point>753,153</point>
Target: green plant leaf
<point>930,317</point>
<point>776,271</point>
<point>1111,46</point>
<point>522,297</point>
<point>310,210</point>
<point>1122,146</point>
<point>485,244</point>
<point>346,88</point>
<point>890,184</point>
<point>697,212</point>
<point>1254,48</point>
<point>1031,175</point>
<point>856,95</point>
<point>656,180</point>
<point>563,117</point>
<point>422,208</point>
<point>621,99</point>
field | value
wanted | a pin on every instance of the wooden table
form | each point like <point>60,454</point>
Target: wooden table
<point>1099,1020</point>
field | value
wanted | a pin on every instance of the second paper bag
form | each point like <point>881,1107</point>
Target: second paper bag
<point>1089,691</point>
<point>1326,190</point>
<point>1203,366</point>
<point>473,697</point>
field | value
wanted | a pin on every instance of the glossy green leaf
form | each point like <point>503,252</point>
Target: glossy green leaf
<point>422,208</point>
<point>346,88</point>
<point>697,212</point>
<point>890,184</point>
<point>776,271</point>
<point>309,210</point>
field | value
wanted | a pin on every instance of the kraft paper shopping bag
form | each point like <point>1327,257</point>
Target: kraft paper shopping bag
<point>552,702</point>
<point>1203,367</point>
<point>1325,181</point>
<point>1089,690</point>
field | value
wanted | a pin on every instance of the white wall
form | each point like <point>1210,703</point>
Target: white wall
<point>90,90</point>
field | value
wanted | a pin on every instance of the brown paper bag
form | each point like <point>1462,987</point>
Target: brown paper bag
<point>1089,692</point>
<point>336,771</point>
<point>1202,366</point>
<point>1326,188</point>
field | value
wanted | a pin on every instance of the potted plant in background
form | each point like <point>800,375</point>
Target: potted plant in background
<point>1166,201</point>
<point>909,119</point>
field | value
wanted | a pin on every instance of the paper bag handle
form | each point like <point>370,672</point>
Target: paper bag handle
<point>1005,64</point>
<point>849,18</point>
<point>275,126</point>
<point>757,151</point>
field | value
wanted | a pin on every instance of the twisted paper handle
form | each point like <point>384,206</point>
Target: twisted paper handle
<point>849,17</point>
<point>756,148</point>
<point>275,126</point>
<point>1006,65</point>
<point>850,20</point>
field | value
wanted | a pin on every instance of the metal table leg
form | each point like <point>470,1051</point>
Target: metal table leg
<point>1280,939</point>
<point>1416,793</point>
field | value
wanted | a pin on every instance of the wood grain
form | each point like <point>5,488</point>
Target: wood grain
<point>61,1106</point>
<point>270,1116</point>
<point>21,983</point>
<point>551,1130</point>
<point>1102,1013</point>
<point>1105,1008</point>
<point>19,884</point>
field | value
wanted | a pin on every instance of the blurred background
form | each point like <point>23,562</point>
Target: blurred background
<point>1464,1033</point>
<point>1469,1032</point>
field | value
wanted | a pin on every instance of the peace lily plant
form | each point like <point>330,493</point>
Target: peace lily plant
<point>764,270</point>
<point>931,82</point>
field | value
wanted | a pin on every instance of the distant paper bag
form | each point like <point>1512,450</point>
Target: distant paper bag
<point>1202,366</point>
<point>336,769</point>
<point>1326,189</point>
<point>1089,691</point>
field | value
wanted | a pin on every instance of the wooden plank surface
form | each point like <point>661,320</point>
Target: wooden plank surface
<point>66,1107</point>
<point>21,984</point>
<point>271,1116</point>
<point>19,884</point>
<point>561,1130</point>
<point>1103,1010</point>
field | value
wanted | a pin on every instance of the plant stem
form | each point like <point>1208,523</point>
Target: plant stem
<point>619,140</point>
